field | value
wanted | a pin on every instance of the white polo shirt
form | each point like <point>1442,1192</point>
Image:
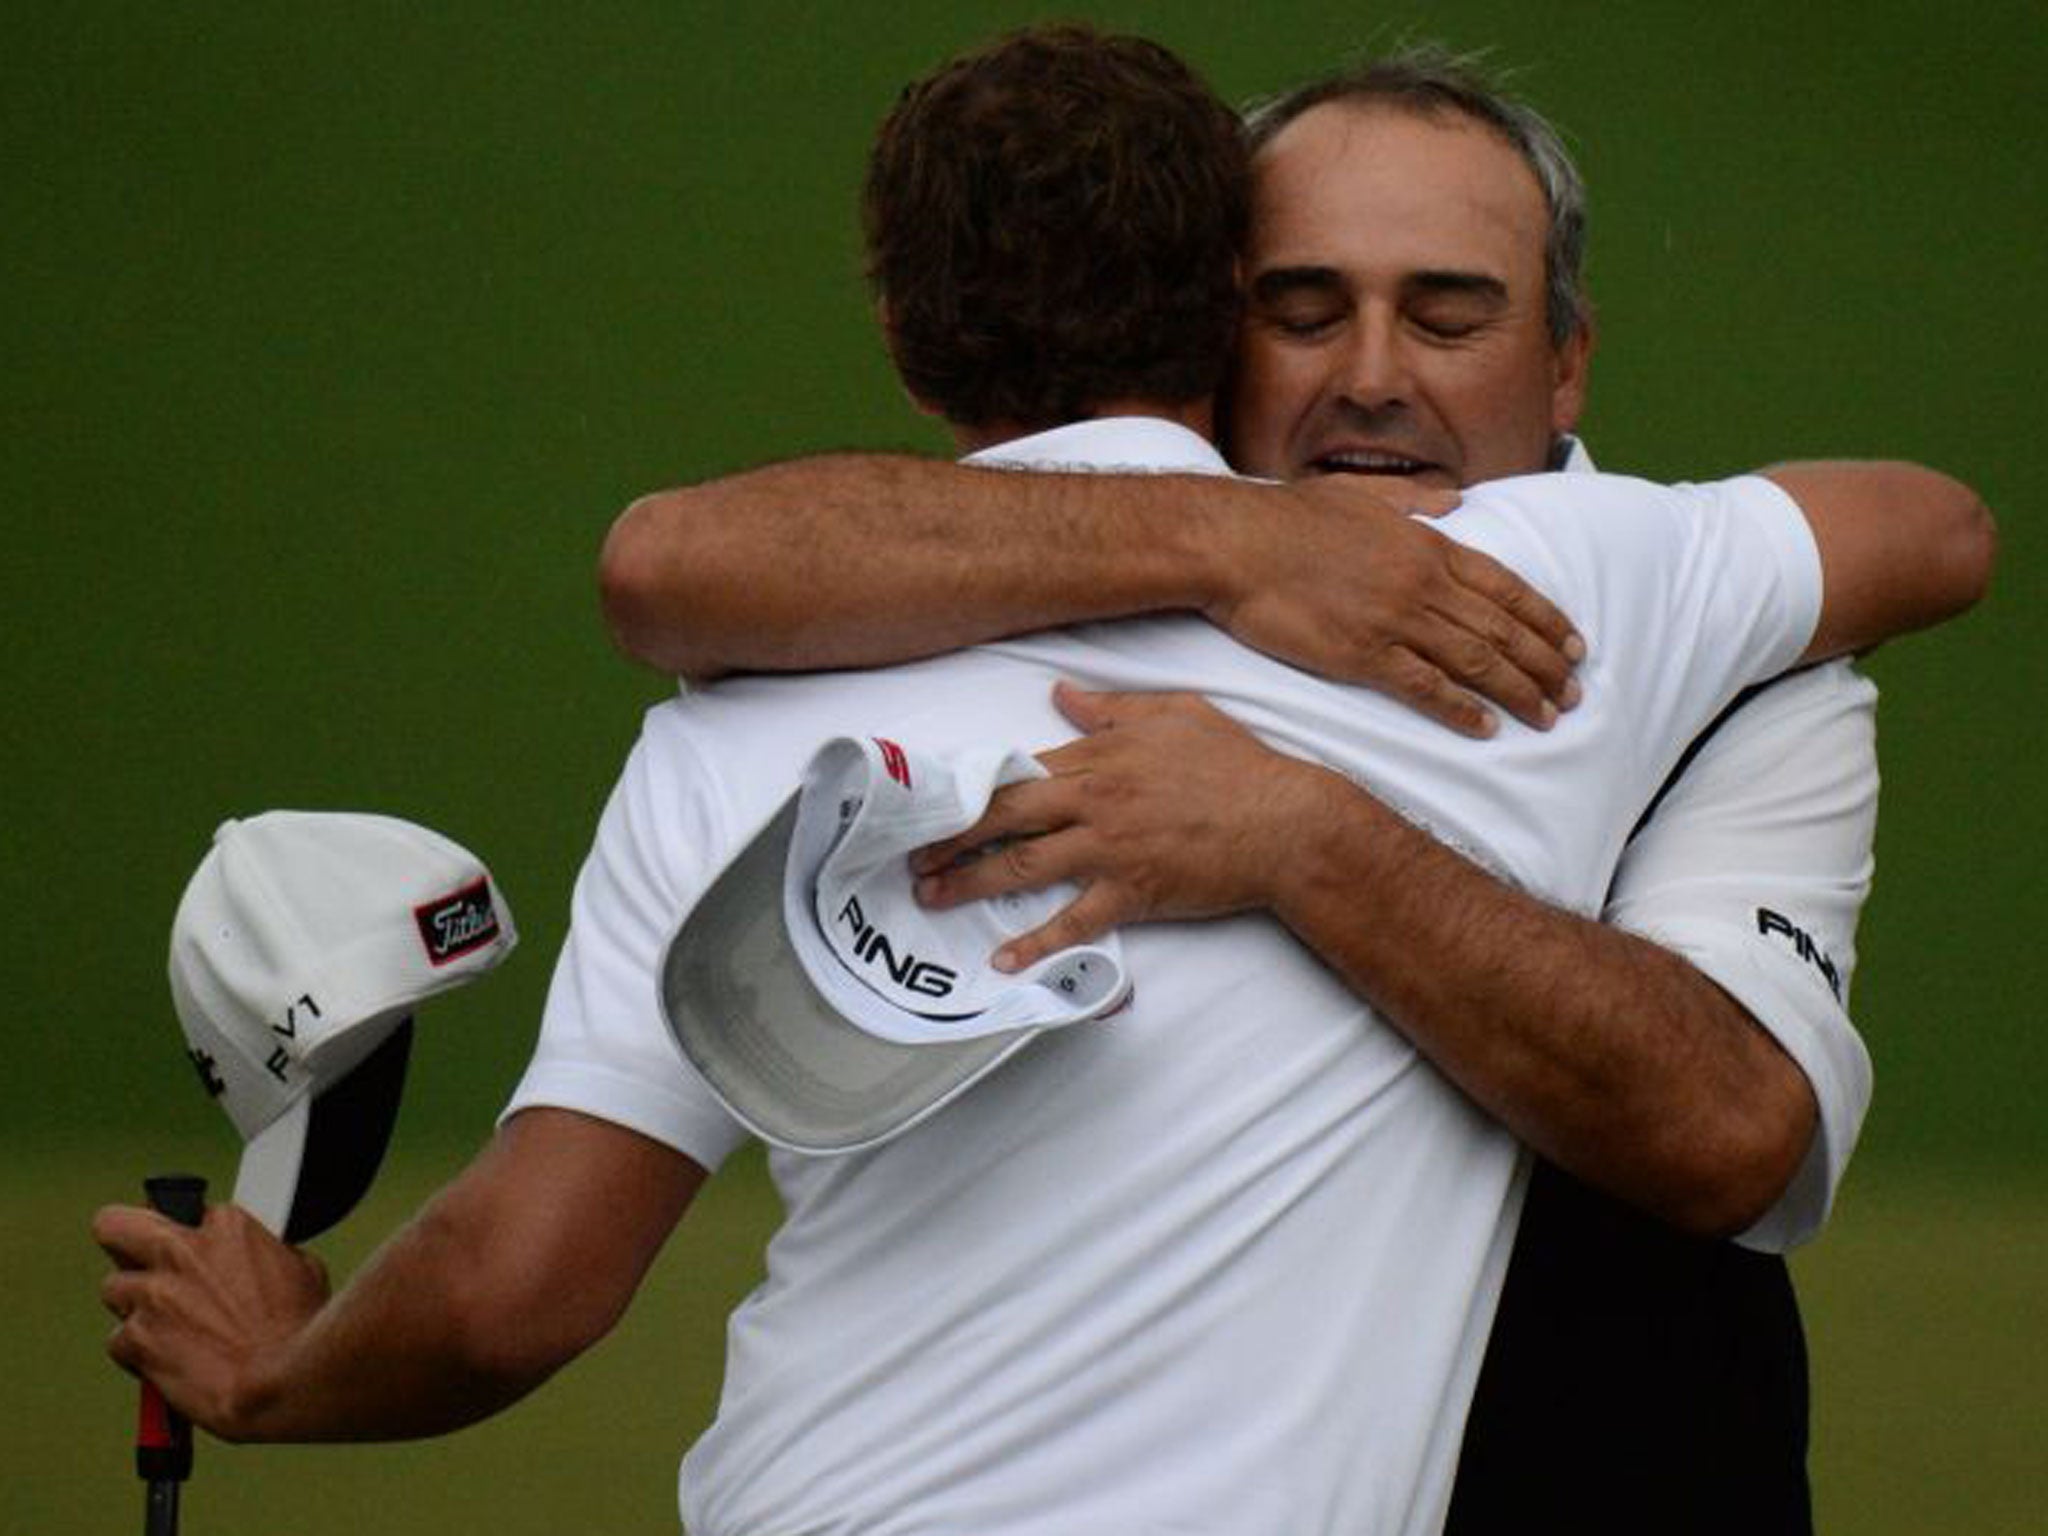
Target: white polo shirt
<point>1227,1262</point>
<point>1755,867</point>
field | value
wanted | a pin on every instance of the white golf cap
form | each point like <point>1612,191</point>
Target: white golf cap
<point>825,1007</point>
<point>299,950</point>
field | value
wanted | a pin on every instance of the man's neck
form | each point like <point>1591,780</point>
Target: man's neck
<point>1196,415</point>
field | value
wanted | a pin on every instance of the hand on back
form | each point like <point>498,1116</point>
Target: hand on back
<point>1165,809</point>
<point>1337,576</point>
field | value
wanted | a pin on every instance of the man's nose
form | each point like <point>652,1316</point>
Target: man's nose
<point>1375,373</point>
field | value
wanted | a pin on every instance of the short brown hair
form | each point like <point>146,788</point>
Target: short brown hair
<point>1054,221</point>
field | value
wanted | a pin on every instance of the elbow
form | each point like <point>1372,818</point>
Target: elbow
<point>1960,546</point>
<point>511,1322</point>
<point>1730,1180</point>
<point>1972,549</point>
<point>646,576</point>
<point>1727,1199</point>
<point>502,1366</point>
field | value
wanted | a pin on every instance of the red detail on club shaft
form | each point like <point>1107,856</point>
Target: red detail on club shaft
<point>155,1427</point>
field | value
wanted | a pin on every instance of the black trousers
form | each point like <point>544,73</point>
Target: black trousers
<point>1638,1380</point>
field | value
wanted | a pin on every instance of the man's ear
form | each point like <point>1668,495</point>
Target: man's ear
<point>1572,365</point>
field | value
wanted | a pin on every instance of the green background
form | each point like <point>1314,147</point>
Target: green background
<point>334,336</point>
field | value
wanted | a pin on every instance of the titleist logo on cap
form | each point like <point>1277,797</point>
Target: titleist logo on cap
<point>454,925</point>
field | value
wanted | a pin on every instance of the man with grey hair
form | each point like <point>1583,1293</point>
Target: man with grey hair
<point>1687,1072</point>
<point>1432,82</point>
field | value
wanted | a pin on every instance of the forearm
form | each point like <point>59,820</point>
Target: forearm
<point>1607,1054</point>
<point>862,559</point>
<point>1610,1056</point>
<point>400,1353</point>
<point>524,1261</point>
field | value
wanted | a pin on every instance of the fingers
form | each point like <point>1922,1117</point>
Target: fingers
<point>1088,916</point>
<point>1498,637</point>
<point>1014,811</point>
<point>141,1243</point>
<point>1488,666</point>
<point>1084,707</point>
<point>1095,711</point>
<point>127,1341</point>
<point>1475,646</point>
<point>1036,806</point>
<point>1029,864</point>
<point>1528,679</point>
<point>133,1236</point>
<point>145,1247</point>
<point>1425,688</point>
<point>121,1292</point>
<point>196,1307</point>
<point>1531,610</point>
<point>1023,864</point>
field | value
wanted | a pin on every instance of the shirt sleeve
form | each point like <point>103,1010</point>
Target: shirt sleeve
<point>605,1049</point>
<point>1755,867</point>
<point>1686,594</point>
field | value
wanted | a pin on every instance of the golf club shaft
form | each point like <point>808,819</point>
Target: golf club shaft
<point>160,1514</point>
<point>163,1440</point>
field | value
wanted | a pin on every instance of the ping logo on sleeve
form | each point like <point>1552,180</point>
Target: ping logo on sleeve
<point>457,924</point>
<point>1803,945</point>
